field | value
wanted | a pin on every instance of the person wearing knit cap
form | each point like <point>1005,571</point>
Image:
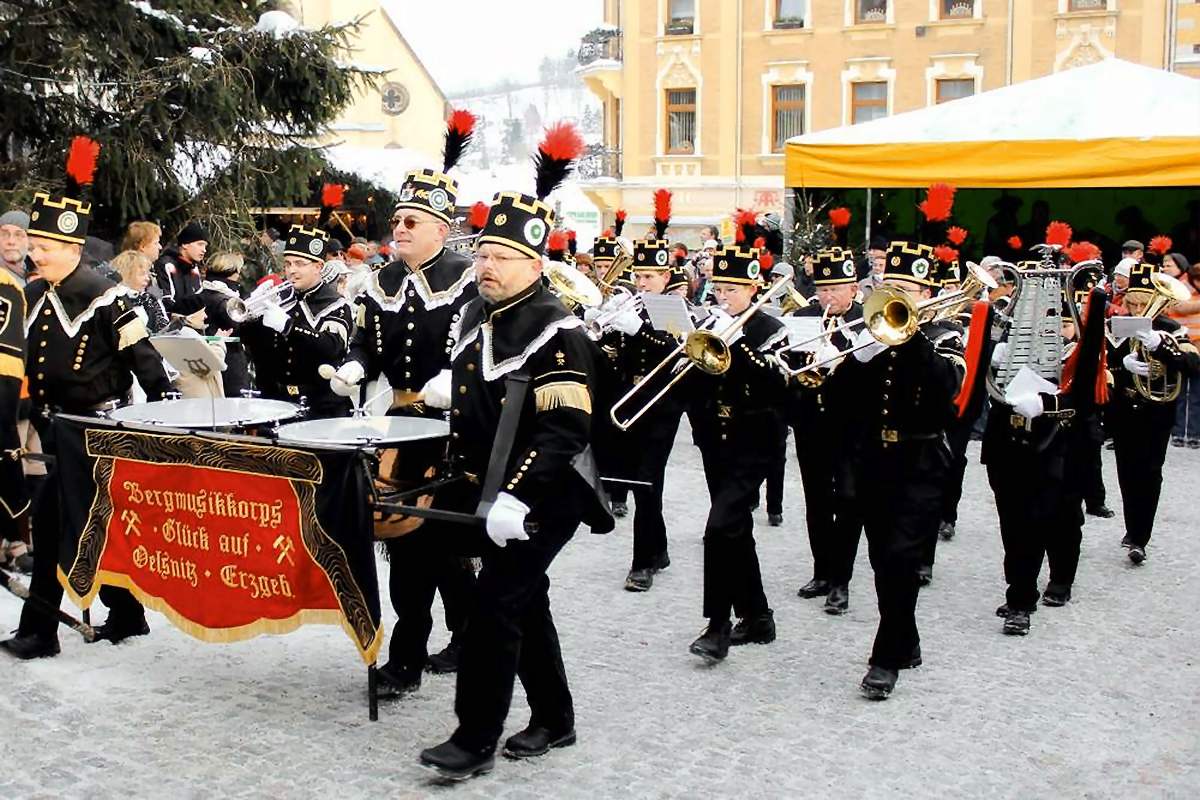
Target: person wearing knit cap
<point>897,401</point>
<point>1153,360</point>
<point>14,244</point>
<point>88,344</point>
<point>831,516</point>
<point>177,270</point>
<point>518,358</point>
<point>735,423</point>
<point>405,313</point>
<point>306,329</point>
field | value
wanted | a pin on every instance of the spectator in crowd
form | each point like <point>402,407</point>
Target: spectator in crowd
<point>1187,314</point>
<point>133,269</point>
<point>876,261</point>
<point>1133,249</point>
<point>14,244</point>
<point>711,233</point>
<point>177,271</point>
<point>144,237</point>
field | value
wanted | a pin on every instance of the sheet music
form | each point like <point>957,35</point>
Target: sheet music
<point>1124,327</point>
<point>668,312</point>
<point>803,329</point>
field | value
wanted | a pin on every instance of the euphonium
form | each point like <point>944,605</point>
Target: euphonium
<point>1160,386</point>
<point>572,286</point>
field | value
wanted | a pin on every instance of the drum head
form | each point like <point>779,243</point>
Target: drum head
<point>199,413</point>
<point>383,431</point>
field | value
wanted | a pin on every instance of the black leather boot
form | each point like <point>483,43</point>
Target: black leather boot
<point>757,630</point>
<point>713,644</point>
<point>454,763</point>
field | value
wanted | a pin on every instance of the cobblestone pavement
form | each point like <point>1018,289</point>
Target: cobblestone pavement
<point>1101,699</point>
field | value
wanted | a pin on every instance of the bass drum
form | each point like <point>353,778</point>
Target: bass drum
<point>251,416</point>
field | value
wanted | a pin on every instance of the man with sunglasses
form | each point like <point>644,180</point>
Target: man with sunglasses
<point>404,315</point>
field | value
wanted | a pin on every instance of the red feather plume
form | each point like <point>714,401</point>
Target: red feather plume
<point>332,195</point>
<point>662,212</point>
<point>570,236</point>
<point>561,145</point>
<point>945,253</point>
<point>1058,233</point>
<point>839,217</point>
<point>766,261</point>
<point>459,129</point>
<point>479,215</point>
<point>619,226</point>
<point>81,160</point>
<point>608,234</point>
<point>938,202</point>
<point>957,235</point>
<point>462,122</point>
<point>744,221</point>
<point>1015,242</point>
<point>1082,251</point>
<point>557,241</point>
<point>760,242</point>
<point>1161,245</point>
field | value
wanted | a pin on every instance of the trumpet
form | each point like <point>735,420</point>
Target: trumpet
<point>703,349</point>
<point>256,304</point>
<point>619,302</point>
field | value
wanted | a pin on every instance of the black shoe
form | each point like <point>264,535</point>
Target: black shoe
<point>620,510</point>
<point>946,531</point>
<point>453,763</point>
<point>713,644</point>
<point>878,683</point>
<point>759,630</point>
<point>838,601</point>
<point>1178,441</point>
<point>662,562</point>
<point>446,661</point>
<point>1126,542</point>
<point>536,741</point>
<point>1193,444</point>
<point>1137,554</point>
<point>395,681</point>
<point>117,631</point>
<point>775,520</point>
<point>1003,611</point>
<point>1016,623</point>
<point>814,588</point>
<point>925,574</point>
<point>31,646</point>
<point>914,661</point>
<point>1102,511</point>
<point>1056,595</point>
<point>639,580</point>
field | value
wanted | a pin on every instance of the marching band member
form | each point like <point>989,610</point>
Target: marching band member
<point>404,319</point>
<point>1027,448</point>
<point>1149,370</point>
<point>733,427</point>
<point>898,401</point>
<point>288,346</point>
<point>521,367</point>
<point>85,343</point>
<point>834,523</point>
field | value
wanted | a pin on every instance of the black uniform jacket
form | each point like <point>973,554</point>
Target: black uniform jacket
<point>86,341</point>
<point>286,363</point>
<point>404,318</point>
<point>549,464</point>
<point>807,408</point>
<point>1178,356</point>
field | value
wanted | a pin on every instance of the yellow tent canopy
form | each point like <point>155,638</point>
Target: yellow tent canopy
<point>1109,124</point>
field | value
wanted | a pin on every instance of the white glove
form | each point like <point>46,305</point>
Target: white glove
<point>718,320</point>
<point>589,314</point>
<point>437,392</point>
<point>999,353</point>
<point>1135,365</point>
<point>1150,338</point>
<point>275,317</point>
<point>506,519</point>
<point>344,382</point>
<point>870,347</point>
<point>628,322</point>
<point>1029,405</point>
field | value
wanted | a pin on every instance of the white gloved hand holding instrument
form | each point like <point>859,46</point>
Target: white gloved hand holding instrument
<point>436,391</point>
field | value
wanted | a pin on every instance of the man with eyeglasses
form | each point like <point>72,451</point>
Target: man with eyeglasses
<point>404,315</point>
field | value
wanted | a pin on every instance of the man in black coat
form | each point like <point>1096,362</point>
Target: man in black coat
<point>177,270</point>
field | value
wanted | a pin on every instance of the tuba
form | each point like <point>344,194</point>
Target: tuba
<point>1160,386</point>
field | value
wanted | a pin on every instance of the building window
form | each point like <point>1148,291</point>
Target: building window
<point>1087,5</point>
<point>869,101</point>
<point>790,13</point>
<point>958,9</point>
<point>954,88</point>
<point>787,114</point>
<point>870,11</point>
<point>681,17</point>
<point>681,121</point>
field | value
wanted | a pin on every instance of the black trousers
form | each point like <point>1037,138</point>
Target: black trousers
<point>123,607</point>
<point>653,444</point>
<point>899,489</point>
<point>1140,436</point>
<point>958,435</point>
<point>511,634</point>
<point>832,517</point>
<point>1039,508</point>
<point>778,468</point>
<point>419,564</point>
<point>732,578</point>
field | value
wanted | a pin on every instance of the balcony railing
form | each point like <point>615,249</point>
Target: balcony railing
<point>599,162</point>
<point>600,44</point>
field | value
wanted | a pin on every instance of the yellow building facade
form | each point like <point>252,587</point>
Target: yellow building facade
<point>405,107</point>
<point>700,95</point>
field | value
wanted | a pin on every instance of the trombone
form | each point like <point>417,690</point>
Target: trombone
<point>704,349</point>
